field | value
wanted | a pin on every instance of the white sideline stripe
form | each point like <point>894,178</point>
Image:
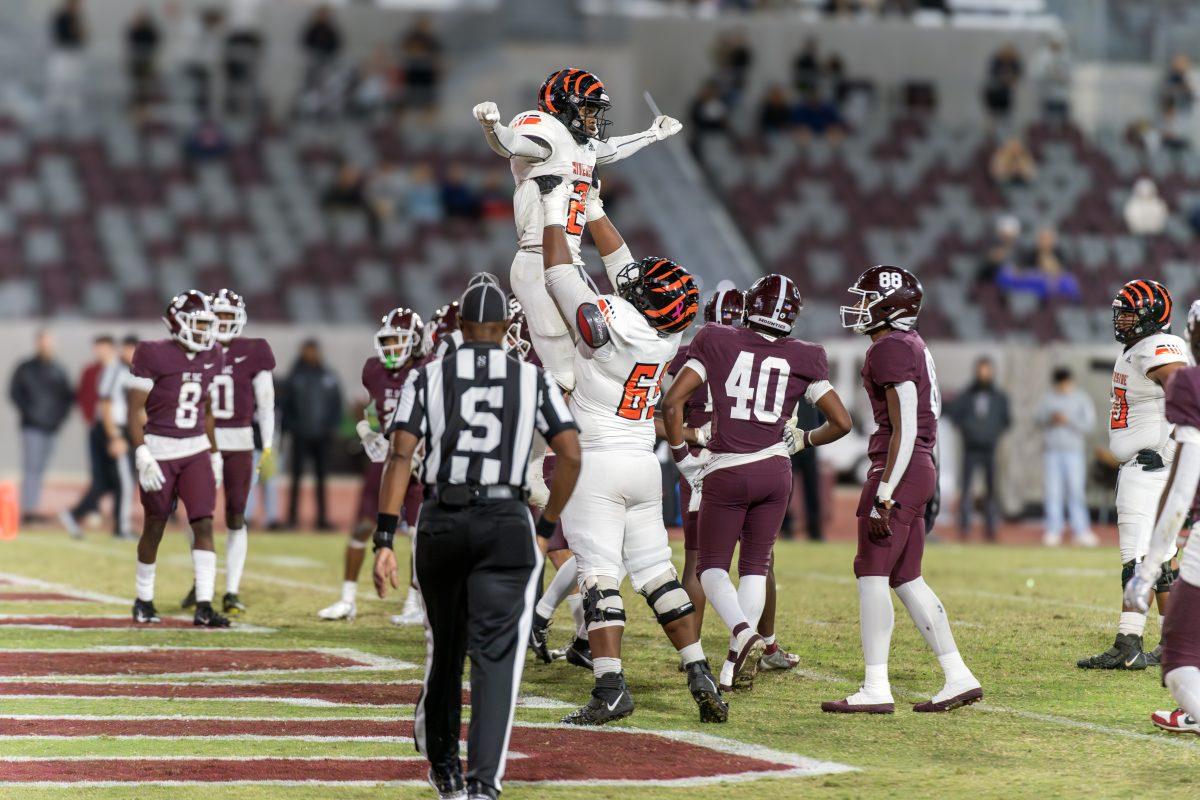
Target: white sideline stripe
<point>372,661</point>
<point>35,583</point>
<point>232,759</point>
<point>236,627</point>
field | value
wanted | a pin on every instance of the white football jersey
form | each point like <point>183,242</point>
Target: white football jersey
<point>618,386</point>
<point>1138,419</point>
<point>567,157</point>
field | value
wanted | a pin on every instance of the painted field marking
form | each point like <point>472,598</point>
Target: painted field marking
<point>12,579</point>
<point>114,622</point>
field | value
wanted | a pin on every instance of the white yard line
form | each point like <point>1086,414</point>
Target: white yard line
<point>45,586</point>
<point>237,627</point>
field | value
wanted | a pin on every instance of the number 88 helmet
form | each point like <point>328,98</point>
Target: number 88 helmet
<point>887,296</point>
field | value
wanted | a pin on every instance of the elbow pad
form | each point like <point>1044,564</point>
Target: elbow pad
<point>593,328</point>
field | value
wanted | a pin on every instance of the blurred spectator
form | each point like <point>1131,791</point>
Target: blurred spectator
<point>242,57</point>
<point>142,43</point>
<point>709,117</point>
<point>775,112</point>
<point>816,117</point>
<point>348,193</point>
<point>420,62</point>
<point>375,90</point>
<point>1052,71</point>
<point>495,197</point>
<point>1177,91</point>
<point>1066,416</point>
<point>1140,133</point>
<point>459,199</point>
<point>321,42</point>
<point>423,196</point>
<point>999,89</point>
<point>1002,253</point>
<point>733,58</point>
<point>806,69</point>
<point>1145,211</point>
<point>1012,163</point>
<point>312,411</point>
<point>65,71</point>
<point>806,469</point>
<point>200,53</point>
<point>981,415</point>
<point>87,396</point>
<point>206,142</point>
<point>41,391</point>
<point>1041,271</point>
<point>1172,129</point>
<point>833,80</point>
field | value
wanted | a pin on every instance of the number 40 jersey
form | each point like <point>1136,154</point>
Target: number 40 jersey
<point>177,382</point>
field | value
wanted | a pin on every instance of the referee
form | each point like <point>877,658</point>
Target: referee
<point>475,555</point>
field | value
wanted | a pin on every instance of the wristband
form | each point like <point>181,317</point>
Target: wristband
<point>544,527</point>
<point>680,451</point>
<point>385,530</point>
<point>884,492</point>
<point>806,438</point>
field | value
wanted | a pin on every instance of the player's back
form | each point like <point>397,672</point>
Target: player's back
<point>755,382</point>
<point>618,386</point>
<point>901,357</point>
<point>1137,419</point>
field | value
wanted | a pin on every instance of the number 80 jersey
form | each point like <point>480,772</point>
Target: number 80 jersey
<point>175,407</point>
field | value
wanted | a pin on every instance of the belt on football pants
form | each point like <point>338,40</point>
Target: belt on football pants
<point>462,495</point>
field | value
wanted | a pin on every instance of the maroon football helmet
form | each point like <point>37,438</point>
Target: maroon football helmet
<point>886,295</point>
<point>726,307</point>
<point>230,309</point>
<point>773,303</point>
<point>444,320</point>
<point>399,337</point>
<point>516,339</point>
<point>191,320</point>
<point>664,292</point>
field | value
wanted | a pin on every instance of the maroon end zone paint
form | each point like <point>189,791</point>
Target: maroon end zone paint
<point>359,694</point>
<point>166,661</point>
<point>47,620</point>
<point>45,597</point>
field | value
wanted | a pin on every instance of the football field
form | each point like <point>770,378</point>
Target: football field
<point>286,706</point>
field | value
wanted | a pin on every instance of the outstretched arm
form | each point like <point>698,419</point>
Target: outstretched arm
<point>576,300</point>
<point>615,148</point>
<point>506,142</point>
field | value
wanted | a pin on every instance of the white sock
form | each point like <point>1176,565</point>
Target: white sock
<point>349,590</point>
<point>575,603</point>
<point>235,558</point>
<point>204,564</point>
<point>876,619</point>
<point>143,581</point>
<point>565,581</point>
<point>691,653</point>
<point>605,665</point>
<point>928,615</point>
<point>956,670</point>
<point>769,640</point>
<point>1132,622</point>
<point>1184,685</point>
<point>726,678</point>
<point>723,597</point>
<point>752,596</point>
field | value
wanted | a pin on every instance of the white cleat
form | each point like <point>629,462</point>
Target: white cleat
<point>1087,539</point>
<point>1177,721</point>
<point>413,613</point>
<point>339,610</point>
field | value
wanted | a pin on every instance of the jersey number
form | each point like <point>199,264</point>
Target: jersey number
<point>935,394</point>
<point>749,391</point>
<point>476,410</point>
<point>575,212</point>
<point>641,392</point>
<point>1120,410</point>
<point>222,396</point>
<point>187,411</point>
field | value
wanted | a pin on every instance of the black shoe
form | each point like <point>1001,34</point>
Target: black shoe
<point>190,600</point>
<point>448,783</point>
<point>477,791</point>
<point>207,617</point>
<point>144,612</point>
<point>610,701</point>
<point>703,687</point>
<point>232,605</point>
<point>1154,657</point>
<point>1126,653</point>
<point>539,638</point>
<point>580,654</point>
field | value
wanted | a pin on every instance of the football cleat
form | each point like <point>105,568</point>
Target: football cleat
<point>860,703</point>
<point>449,785</point>
<point>413,613</point>
<point>703,687</point>
<point>778,658</point>
<point>232,605</point>
<point>959,700</point>
<point>339,610</point>
<point>539,638</point>
<point>145,613</point>
<point>579,654</point>
<point>1154,657</point>
<point>477,791</point>
<point>207,617</point>
<point>745,663</point>
<point>189,601</point>
<point>1177,721</point>
<point>1125,653</point>
<point>610,701</point>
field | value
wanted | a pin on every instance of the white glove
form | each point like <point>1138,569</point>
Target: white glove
<point>690,467</point>
<point>703,434</point>
<point>539,492</point>
<point>486,113</point>
<point>150,474</point>
<point>593,209</point>
<point>373,442</point>
<point>793,437</point>
<point>1140,586</point>
<point>218,466</point>
<point>665,127</point>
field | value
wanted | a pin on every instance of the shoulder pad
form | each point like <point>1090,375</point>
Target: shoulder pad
<point>592,325</point>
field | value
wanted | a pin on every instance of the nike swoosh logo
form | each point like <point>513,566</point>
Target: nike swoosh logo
<point>612,706</point>
<point>240,359</point>
<point>208,366</point>
<point>1131,661</point>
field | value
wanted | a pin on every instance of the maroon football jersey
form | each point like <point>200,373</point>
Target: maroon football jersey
<point>755,383</point>
<point>176,406</point>
<point>233,401</point>
<point>898,357</point>
<point>698,409</point>
<point>384,385</point>
<point>1183,406</point>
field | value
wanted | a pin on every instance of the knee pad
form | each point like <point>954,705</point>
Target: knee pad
<point>667,598</point>
<point>1166,578</point>
<point>602,603</point>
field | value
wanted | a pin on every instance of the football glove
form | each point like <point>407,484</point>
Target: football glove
<point>793,437</point>
<point>266,464</point>
<point>665,127</point>
<point>691,467</point>
<point>539,492</point>
<point>150,474</point>
<point>1141,585</point>
<point>879,522</point>
<point>218,467</point>
<point>593,207</point>
<point>373,442</point>
<point>486,113</point>
<point>1150,460</point>
<point>703,434</point>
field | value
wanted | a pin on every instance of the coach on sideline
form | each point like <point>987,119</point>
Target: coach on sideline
<point>475,557</point>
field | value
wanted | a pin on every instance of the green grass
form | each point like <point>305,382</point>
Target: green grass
<point>1022,617</point>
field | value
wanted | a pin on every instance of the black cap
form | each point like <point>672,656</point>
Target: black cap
<point>484,302</point>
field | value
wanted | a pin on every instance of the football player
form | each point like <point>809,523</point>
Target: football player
<point>615,525</point>
<point>1181,629</point>
<point>397,353</point>
<point>173,432</point>
<point>901,383</point>
<point>565,136</point>
<point>755,376</point>
<point>442,335</point>
<point>1139,436</point>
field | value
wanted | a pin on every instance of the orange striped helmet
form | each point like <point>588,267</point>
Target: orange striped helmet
<point>1141,307</point>
<point>567,92</point>
<point>664,292</point>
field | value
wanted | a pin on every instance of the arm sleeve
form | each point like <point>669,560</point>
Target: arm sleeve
<point>264,401</point>
<point>907,394</point>
<point>616,261</point>
<point>616,148</point>
<point>569,290</point>
<point>410,411</point>
<point>505,141</point>
<point>553,416</point>
<point>1179,499</point>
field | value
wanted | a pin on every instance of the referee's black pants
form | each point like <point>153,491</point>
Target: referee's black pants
<point>476,568</point>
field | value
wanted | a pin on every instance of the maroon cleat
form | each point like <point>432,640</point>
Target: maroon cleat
<point>846,707</point>
<point>958,701</point>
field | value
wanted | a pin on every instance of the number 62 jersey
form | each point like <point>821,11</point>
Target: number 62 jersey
<point>178,384</point>
<point>1138,418</point>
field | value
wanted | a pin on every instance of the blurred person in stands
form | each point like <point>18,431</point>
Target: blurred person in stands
<point>200,37</point>
<point>1066,416</point>
<point>733,58</point>
<point>42,393</point>
<point>349,193</point>
<point>423,196</point>
<point>1177,91</point>
<point>420,63</point>
<point>205,142</point>
<point>312,411</point>
<point>241,57</point>
<point>816,117</point>
<point>1041,271</point>
<point>709,117</point>
<point>65,69</point>
<point>1146,212</point>
<point>1000,86</point>
<point>87,396</point>
<point>143,41</point>
<point>775,112</point>
<point>1052,71</point>
<point>459,198</point>
<point>495,198</point>
<point>981,414</point>
<point>806,68</point>
<point>1174,128</point>
<point>376,85</point>
<point>1002,253</point>
<point>1012,164</point>
<point>321,41</point>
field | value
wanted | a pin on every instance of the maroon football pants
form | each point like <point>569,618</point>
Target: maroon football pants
<point>743,504</point>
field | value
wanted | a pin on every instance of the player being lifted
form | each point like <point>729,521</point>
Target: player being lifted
<point>901,383</point>
<point>565,136</point>
<point>614,524</point>
<point>397,353</point>
<point>755,375</point>
<point>172,429</point>
<point>1181,629</point>
<point>1139,437</point>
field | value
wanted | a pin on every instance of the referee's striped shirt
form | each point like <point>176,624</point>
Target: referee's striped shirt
<point>477,411</point>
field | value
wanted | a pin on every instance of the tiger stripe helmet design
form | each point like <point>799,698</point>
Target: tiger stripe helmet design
<point>726,307</point>
<point>664,292</point>
<point>1141,308</point>
<point>564,95</point>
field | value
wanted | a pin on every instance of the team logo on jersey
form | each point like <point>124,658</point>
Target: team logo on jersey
<point>1167,350</point>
